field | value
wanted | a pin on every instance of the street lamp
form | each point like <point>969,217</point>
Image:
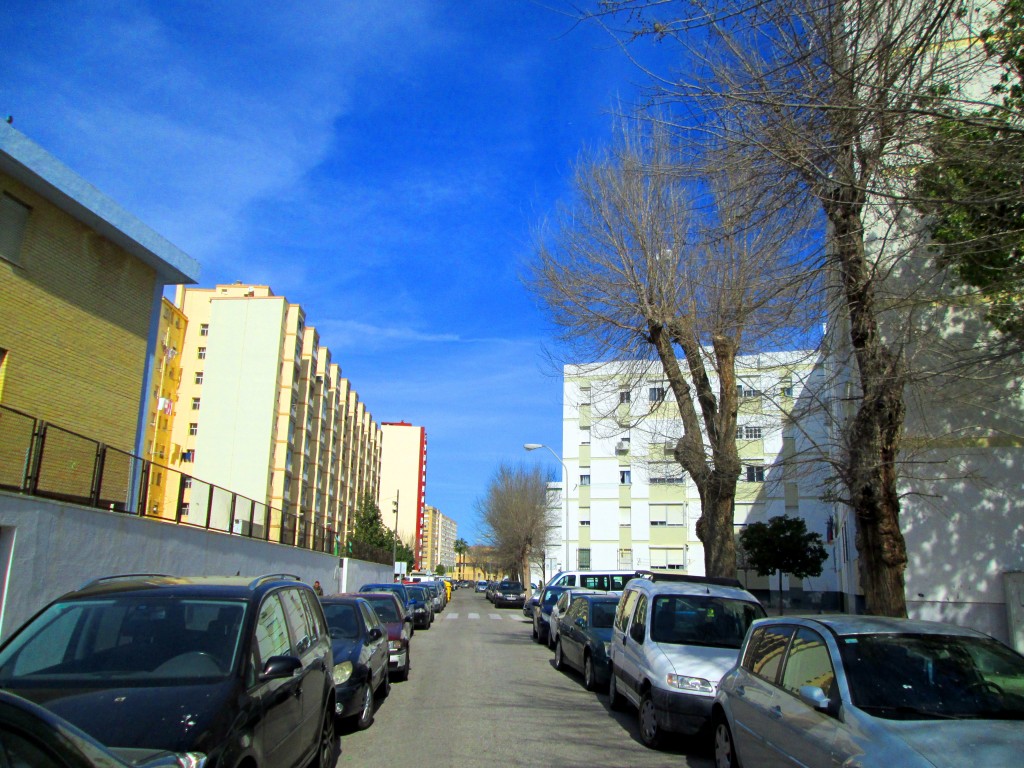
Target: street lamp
<point>565,499</point>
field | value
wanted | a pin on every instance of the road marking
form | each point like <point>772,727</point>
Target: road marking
<point>451,616</point>
<point>474,615</point>
<point>495,616</point>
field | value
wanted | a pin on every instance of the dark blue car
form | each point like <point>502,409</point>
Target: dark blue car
<point>359,642</point>
<point>542,612</point>
<point>584,633</point>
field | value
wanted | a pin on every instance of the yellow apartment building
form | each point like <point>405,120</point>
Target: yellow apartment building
<point>81,281</point>
<point>403,478</point>
<point>264,413</point>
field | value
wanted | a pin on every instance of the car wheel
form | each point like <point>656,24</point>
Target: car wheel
<point>725,749</point>
<point>559,661</point>
<point>589,680</point>
<point>327,751</point>
<point>365,717</point>
<point>533,633</point>
<point>650,733</point>
<point>615,700</point>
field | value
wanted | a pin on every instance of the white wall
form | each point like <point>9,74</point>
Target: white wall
<point>48,548</point>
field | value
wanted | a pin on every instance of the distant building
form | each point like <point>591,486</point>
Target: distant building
<point>403,478</point>
<point>81,281</point>
<point>439,534</point>
<point>629,504</point>
<point>263,412</point>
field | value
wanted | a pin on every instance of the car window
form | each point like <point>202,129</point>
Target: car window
<point>550,597</point>
<point>342,620</point>
<point>602,614</point>
<point>594,581</point>
<point>640,617</point>
<point>314,613</point>
<point>719,622</point>
<point>272,630</point>
<point>808,663</point>
<point>765,660</point>
<point>625,609</point>
<point>302,632</point>
<point>618,582</point>
<point>387,610</point>
<point>369,617</point>
<point>18,751</point>
<point>562,602</point>
<point>575,610</point>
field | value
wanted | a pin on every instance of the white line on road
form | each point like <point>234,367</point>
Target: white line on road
<point>474,615</point>
<point>451,616</point>
<point>495,616</point>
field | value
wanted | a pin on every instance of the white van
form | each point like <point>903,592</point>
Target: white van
<point>603,581</point>
<point>673,639</point>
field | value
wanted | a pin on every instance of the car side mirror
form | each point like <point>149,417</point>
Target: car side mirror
<point>813,696</point>
<point>636,631</point>
<point>376,633</point>
<point>278,667</point>
<point>581,622</point>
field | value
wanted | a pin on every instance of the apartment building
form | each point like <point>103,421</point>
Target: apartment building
<point>403,479</point>
<point>81,281</point>
<point>162,404</point>
<point>265,413</point>
<point>439,534</point>
<point>628,503</point>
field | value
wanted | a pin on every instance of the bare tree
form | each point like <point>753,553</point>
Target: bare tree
<point>659,260</point>
<point>833,92</point>
<point>517,517</point>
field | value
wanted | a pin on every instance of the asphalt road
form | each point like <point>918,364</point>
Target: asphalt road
<point>482,693</point>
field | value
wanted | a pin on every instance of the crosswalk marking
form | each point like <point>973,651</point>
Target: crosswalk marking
<point>474,615</point>
<point>495,616</point>
<point>451,616</point>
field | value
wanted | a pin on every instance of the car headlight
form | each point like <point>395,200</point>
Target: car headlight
<point>192,760</point>
<point>522,596</point>
<point>342,672</point>
<point>695,684</point>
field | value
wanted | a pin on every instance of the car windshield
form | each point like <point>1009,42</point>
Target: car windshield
<point>342,621</point>
<point>418,593</point>
<point>512,586</point>
<point>719,622</point>
<point>601,614</point>
<point>906,676</point>
<point>551,597</point>
<point>126,639</point>
<point>385,609</point>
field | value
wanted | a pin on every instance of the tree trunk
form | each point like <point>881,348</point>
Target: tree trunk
<point>874,433</point>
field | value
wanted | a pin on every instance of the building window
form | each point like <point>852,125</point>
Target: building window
<point>204,329</point>
<point>656,394</point>
<point>750,433</point>
<point>199,377</point>
<point>186,482</point>
<point>188,456</point>
<point>624,396</point>
<point>584,435</point>
<point>755,473</point>
<point>583,559</point>
<point>584,395</point>
<point>201,353</point>
<point>584,479</point>
<point>183,511</point>
<point>746,391</point>
<point>625,477</point>
<point>195,403</point>
<point>13,221</point>
<point>193,428</point>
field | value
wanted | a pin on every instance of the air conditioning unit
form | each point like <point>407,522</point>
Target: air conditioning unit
<point>621,447</point>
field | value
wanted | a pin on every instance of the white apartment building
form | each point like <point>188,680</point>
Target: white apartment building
<point>403,481</point>
<point>630,505</point>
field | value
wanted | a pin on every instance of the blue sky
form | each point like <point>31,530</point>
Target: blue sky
<point>381,163</point>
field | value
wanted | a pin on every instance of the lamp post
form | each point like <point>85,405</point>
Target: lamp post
<point>565,499</point>
<point>394,540</point>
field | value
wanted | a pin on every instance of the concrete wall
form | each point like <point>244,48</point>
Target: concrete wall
<point>48,548</point>
<point>355,573</point>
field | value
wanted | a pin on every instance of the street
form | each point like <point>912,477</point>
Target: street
<point>482,693</point>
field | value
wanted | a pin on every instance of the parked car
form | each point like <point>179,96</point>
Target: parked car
<point>531,601</point>
<point>422,606</point>
<point>870,691</point>
<point>509,593</point>
<point>386,586</point>
<point>360,644</point>
<point>399,626</point>
<point>489,592</point>
<point>233,667</point>
<point>33,736</point>
<point>605,581</point>
<point>584,635</point>
<point>435,595</point>
<point>542,612</point>
<point>672,641</point>
<point>562,605</point>
<point>481,586</point>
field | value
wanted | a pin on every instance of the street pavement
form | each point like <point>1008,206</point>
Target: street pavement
<point>482,693</point>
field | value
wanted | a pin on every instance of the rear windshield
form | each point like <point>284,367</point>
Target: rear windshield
<point>602,614</point>
<point>702,620</point>
<point>385,609</point>
<point>341,618</point>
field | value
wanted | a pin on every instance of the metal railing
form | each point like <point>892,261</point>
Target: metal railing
<point>38,458</point>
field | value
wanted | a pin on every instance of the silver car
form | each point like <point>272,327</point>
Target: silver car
<point>869,691</point>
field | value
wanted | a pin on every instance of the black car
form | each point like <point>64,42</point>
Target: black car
<point>33,736</point>
<point>233,667</point>
<point>389,610</point>
<point>422,606</point>
<point>360,644</point>
<point>542,612</point>
<point>509,593</point>
<point>584,633</point>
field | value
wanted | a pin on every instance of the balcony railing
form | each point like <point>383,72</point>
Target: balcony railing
<point>41,459</point>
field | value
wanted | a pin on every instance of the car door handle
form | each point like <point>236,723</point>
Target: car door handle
<point>776,712</point>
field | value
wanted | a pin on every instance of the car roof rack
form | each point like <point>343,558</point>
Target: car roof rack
<point>272,576</point>
<point>120,576</point>
<point>721,581</point>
